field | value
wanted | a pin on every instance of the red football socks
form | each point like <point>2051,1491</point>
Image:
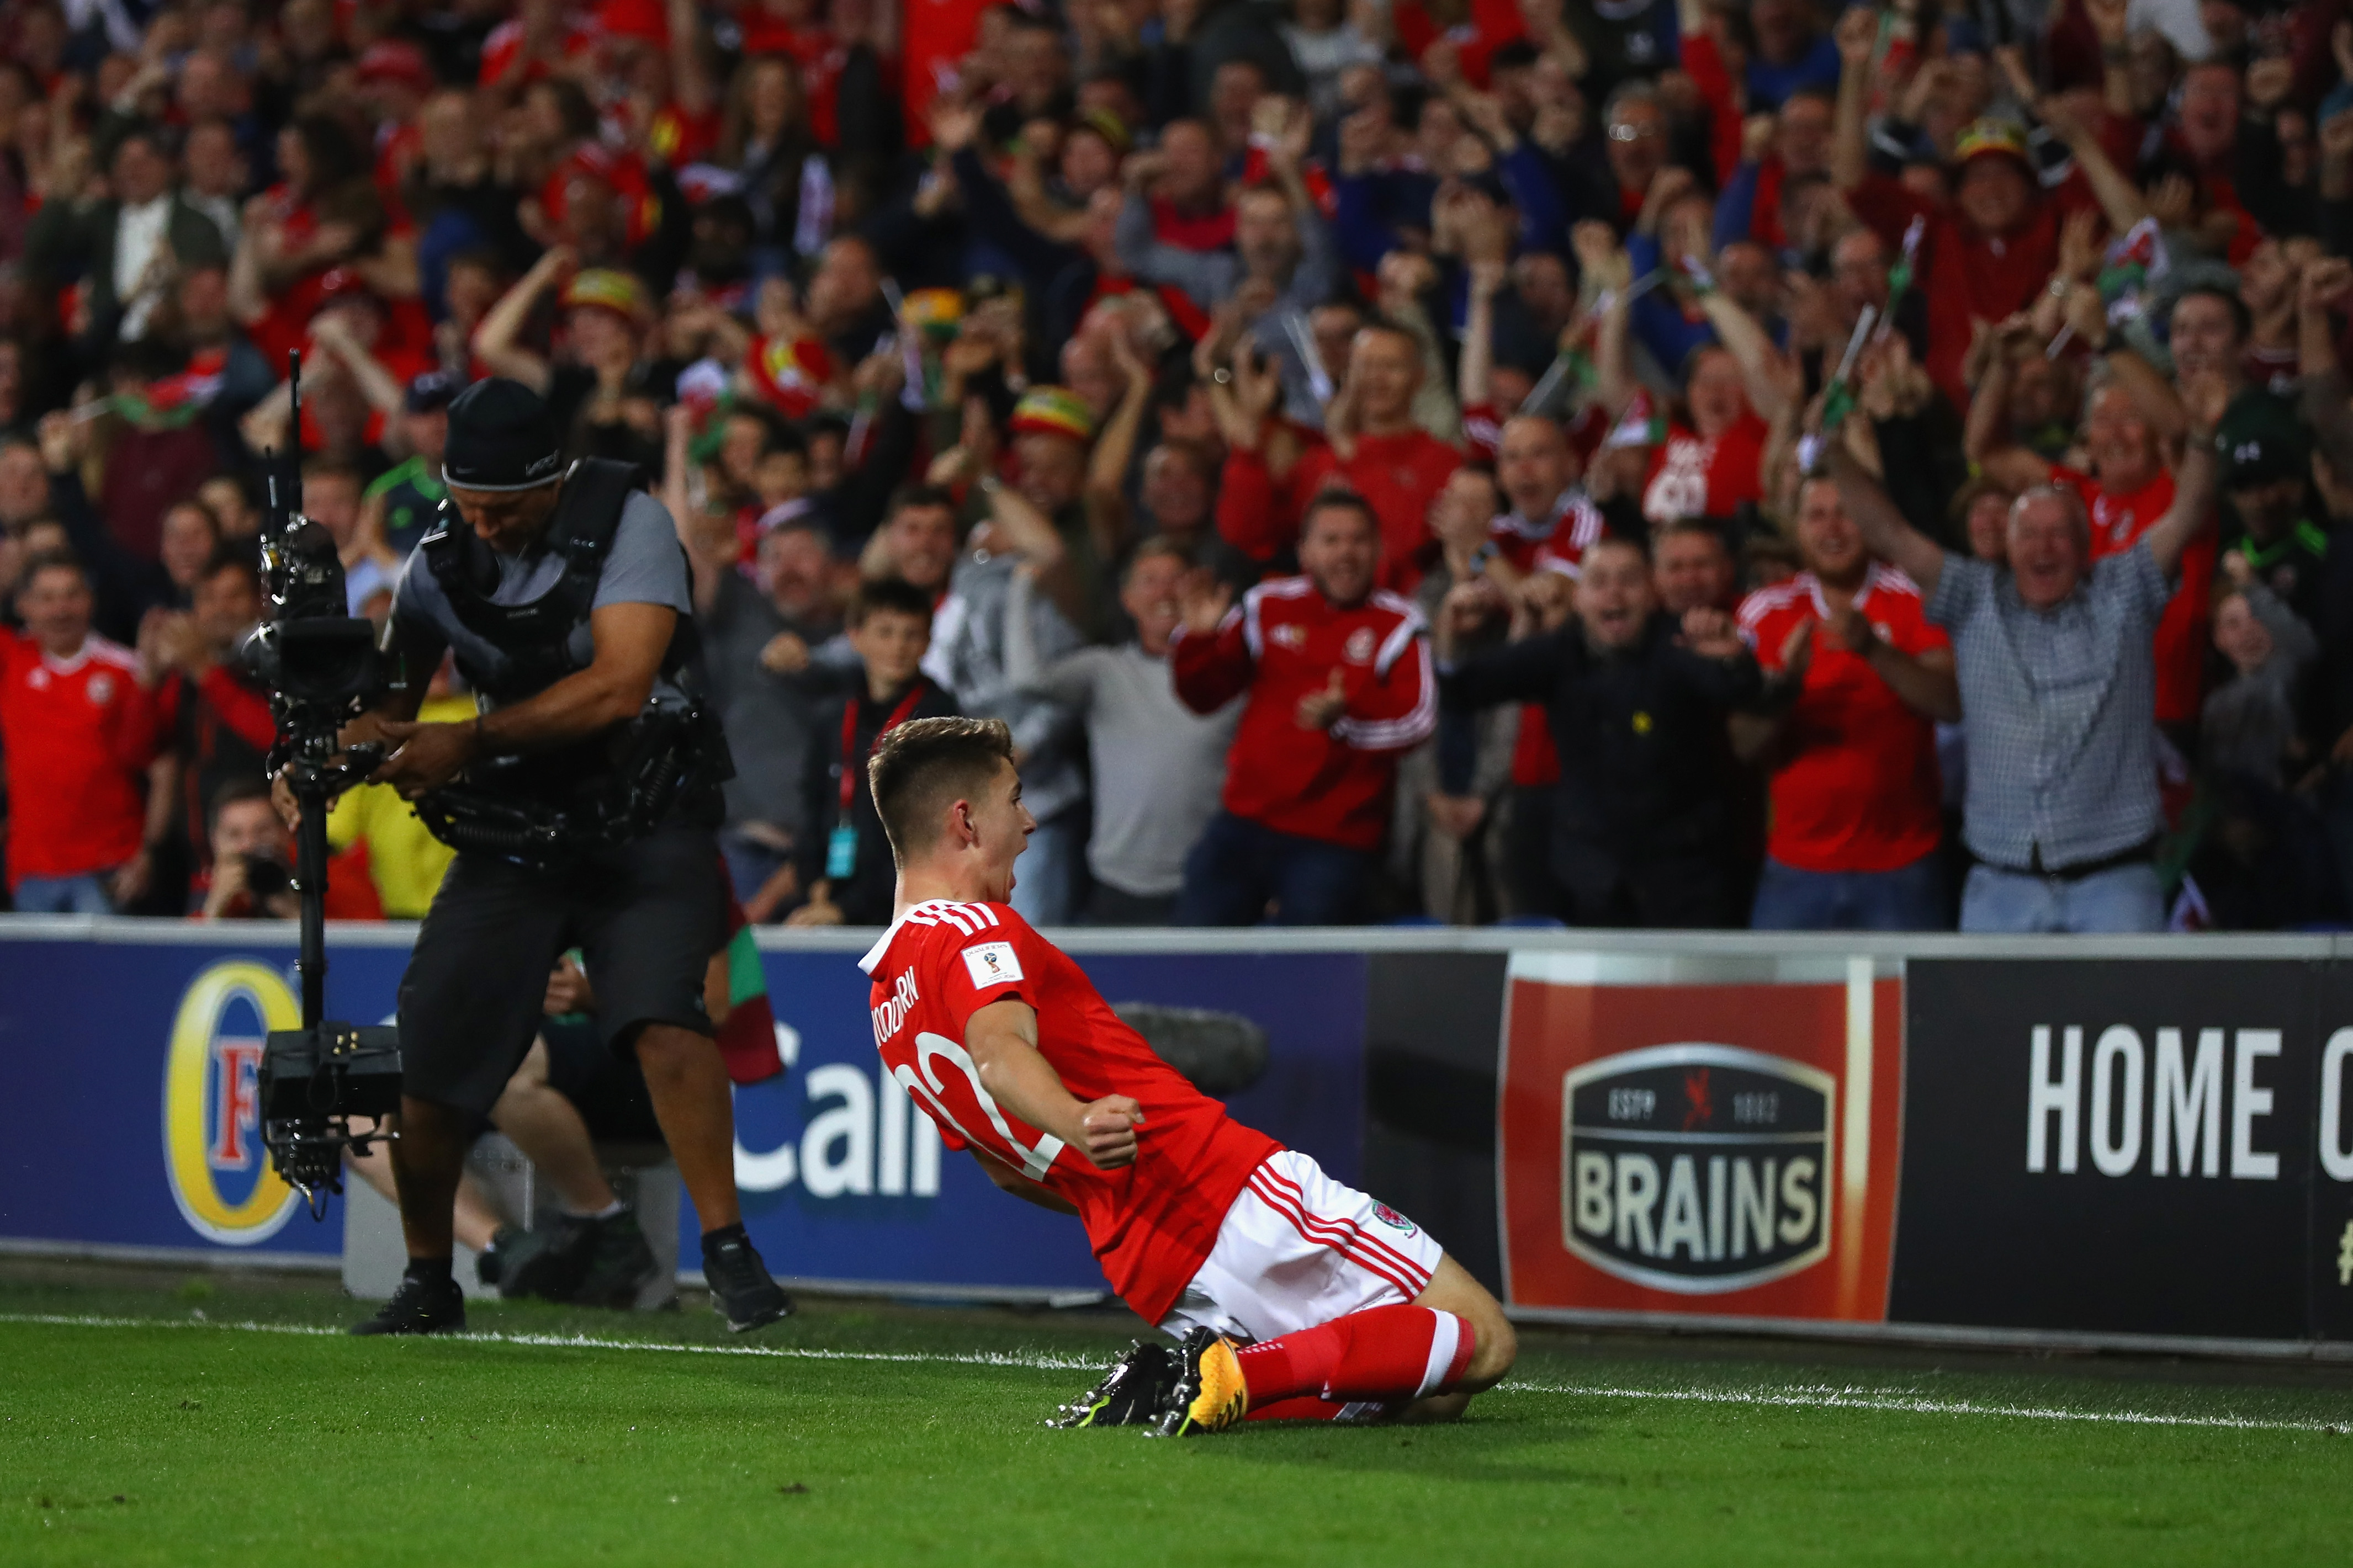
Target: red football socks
<point>1380,1355</point>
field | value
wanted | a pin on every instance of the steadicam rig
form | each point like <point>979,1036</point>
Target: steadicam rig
<point>324,668</point>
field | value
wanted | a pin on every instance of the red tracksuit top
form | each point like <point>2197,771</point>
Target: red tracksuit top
<point>78,733</point>
<point>1281,643</point>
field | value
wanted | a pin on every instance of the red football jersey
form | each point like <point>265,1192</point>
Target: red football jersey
<point>1152,1224</point>
<point>2117,523</point>
<point>1859,791</point>
<point>1691,477</point>
<point>1283,642</point>
<point>79,733</point>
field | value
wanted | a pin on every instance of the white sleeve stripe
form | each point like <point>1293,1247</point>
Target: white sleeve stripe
<point>1446,1337</point>
<point>1391,647</point>
<point>1390,734</point>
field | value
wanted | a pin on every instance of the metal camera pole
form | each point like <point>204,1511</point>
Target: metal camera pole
<point>310,788</point>
<point>310,884</point>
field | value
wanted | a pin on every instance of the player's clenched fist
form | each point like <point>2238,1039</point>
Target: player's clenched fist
<point>1109,1125</point>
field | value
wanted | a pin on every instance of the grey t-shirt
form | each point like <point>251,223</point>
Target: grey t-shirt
<point>1159,767</point>
<point>646,565</point>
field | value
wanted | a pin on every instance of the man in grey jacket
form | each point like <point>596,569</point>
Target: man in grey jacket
<point>970,632</point>
<point>1158,765</point>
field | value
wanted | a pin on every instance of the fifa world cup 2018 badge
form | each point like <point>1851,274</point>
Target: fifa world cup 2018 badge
<point>992,964</point>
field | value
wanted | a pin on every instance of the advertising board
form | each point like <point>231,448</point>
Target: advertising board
<point>134,1125</point>
<point>2108,1146</point>
<point>1699,1135</point>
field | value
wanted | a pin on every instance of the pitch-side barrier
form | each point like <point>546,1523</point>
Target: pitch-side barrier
<point>2076,1142</point>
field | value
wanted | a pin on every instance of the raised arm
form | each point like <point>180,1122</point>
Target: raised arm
<point>2118,197</point>
<point>1477,359</point>
<point>2326,286</point>
<point>689,80</point>
<point>1768,392</point>
<point>1858,37</point>
<point>499,339</point>
<point>1986,440</point>
<point>1106,488</point>
<point>1884,532</point>
<point>2193,494</point>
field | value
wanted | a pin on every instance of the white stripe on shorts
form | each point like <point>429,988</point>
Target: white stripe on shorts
<point>1298,1249</point>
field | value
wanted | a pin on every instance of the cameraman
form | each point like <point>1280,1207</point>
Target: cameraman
<point>563,595</point>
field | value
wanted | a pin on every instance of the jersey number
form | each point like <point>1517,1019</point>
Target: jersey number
<point>1034,1162</point>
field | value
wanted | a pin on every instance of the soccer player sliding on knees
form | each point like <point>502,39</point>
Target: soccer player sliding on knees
<point>1290,1296</point>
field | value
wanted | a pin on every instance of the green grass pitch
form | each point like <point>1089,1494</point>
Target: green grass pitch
<point>221,1422</point>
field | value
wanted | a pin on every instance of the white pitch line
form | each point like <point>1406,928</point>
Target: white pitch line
<point>1909,1405</point>
<point>581,1341</point>
<point>1779,1399</point>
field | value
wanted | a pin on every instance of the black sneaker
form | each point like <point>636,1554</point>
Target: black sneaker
<point>620,1263</point>
<point>741,1291</point>
<point>419,1307</point>
<point>551,1263</point>
<point>506,1247</point>
<point>1131,1393</point>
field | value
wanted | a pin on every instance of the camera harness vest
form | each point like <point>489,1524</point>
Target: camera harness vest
<point>641,771</point>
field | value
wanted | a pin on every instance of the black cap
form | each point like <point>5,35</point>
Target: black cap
<point>432,390</point>
<point>501,438</point>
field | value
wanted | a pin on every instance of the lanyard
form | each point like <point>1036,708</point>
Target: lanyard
<point>850,740</point>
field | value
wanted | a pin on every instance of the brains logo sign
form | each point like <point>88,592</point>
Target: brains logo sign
<point>220,1174</point>
<point>1697,1168</point>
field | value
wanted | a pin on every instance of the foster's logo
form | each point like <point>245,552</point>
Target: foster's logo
<point>1697,1168</point>
<point>220,1174</point>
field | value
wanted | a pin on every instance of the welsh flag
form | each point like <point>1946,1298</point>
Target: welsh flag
<point>176,400</point>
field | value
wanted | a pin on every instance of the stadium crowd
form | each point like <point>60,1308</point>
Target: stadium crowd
<point>1630,462</point>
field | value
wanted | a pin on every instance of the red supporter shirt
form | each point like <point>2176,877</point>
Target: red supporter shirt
<point>1558,544</point>
<point>934,41</point>
<point>1859,790</point>
<point>1399,475</point>
<point>1212,230</point>
<point>503,46</point>
<point>1152,1224</point>
<point>1492,25</point>
<point>820,56</point>
<point>1966,275</point>
<point>79,733</point>
<point>2117,523</point>
<point>1283,642</point>
<point>1691,477</point>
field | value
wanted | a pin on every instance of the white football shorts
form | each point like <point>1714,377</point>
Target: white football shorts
<point>1298,1249</point>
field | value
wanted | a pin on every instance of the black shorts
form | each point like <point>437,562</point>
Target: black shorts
<point>606,1087</point>
<point>647,917</point>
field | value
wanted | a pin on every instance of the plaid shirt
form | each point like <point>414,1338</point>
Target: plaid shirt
<point>2061,711</point>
